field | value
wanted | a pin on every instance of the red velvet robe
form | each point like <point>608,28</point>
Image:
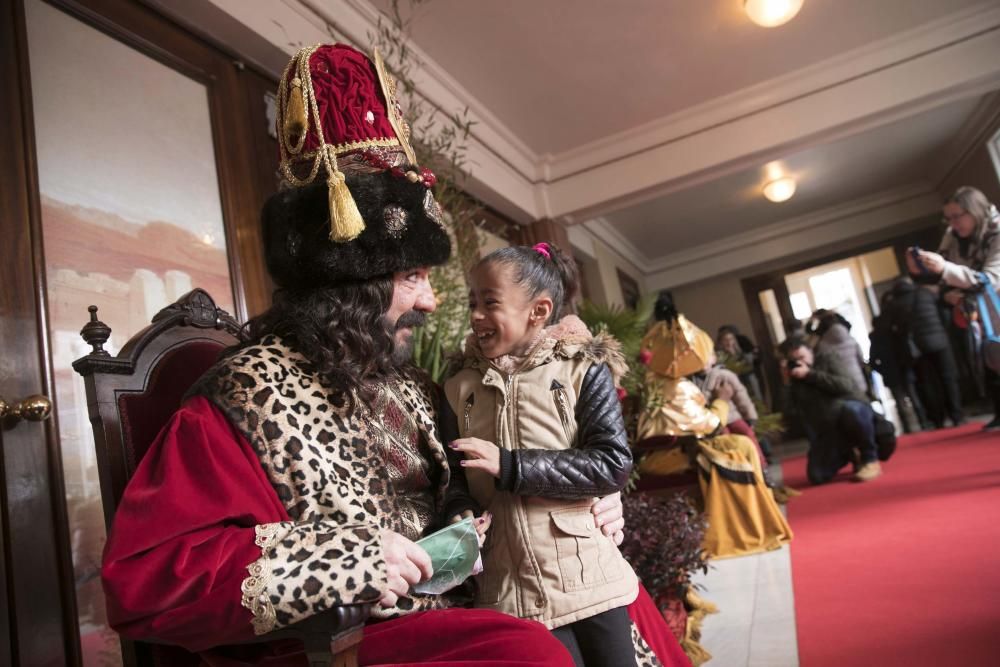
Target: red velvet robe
<point>183,536</point>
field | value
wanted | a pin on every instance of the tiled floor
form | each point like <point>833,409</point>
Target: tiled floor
<point>755,626</point>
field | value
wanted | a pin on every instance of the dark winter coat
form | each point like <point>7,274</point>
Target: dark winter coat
<point>837,340</point>
<point>818,397</point>
<point>914,310</point>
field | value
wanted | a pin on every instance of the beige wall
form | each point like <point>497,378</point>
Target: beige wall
<point>609,262</point>
<point>712,302</point>
<point>600,267</point>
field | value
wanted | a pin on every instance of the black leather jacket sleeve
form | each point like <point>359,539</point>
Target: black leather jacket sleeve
<point>598,464</point>
<point>457,498</point>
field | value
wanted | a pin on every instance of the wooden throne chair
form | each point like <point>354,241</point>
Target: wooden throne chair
<point>130,397</point>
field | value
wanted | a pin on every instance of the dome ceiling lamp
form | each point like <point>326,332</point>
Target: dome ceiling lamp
<point>780,189</point>
<point>771,13</point>
<point>779,184</point>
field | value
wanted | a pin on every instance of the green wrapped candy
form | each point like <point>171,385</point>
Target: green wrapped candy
<point>454,552</point>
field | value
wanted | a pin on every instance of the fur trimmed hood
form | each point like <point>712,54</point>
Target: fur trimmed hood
<point>567,339</point>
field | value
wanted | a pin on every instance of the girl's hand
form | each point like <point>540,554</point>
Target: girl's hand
<point>482,524</point>
<point>479,454</point>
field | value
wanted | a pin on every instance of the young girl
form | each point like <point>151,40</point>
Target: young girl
<point>542,435</point>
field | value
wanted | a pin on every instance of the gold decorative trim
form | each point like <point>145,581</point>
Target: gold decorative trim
<point>386,142</point>
<point>339,149</point>
<point>399,124</point>
<point>254,587</point>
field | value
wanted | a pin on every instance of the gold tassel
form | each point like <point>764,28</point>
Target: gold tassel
<point>295,116</point>
<point>698,608</point>
<point>346,222</point>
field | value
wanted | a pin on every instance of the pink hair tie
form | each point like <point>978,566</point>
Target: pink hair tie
<point>543,250</point>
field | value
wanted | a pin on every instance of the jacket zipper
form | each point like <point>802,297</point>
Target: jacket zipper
<point>469,402</point>
<point>562,406</point>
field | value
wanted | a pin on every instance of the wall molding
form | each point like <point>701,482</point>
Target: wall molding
<point>603,229</point>
<point>933,64</point>
<point>879,55</point>
<point>974,133</point>
<point>839,223</point>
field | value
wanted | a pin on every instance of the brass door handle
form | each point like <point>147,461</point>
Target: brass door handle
<point>33,409</point>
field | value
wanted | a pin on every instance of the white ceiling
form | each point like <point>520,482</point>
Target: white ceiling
<point>647,124</point>
<point>560,74</point>
<point>651,121</point>
<point>912,150</point>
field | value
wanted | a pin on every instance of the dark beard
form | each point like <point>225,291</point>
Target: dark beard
<point>402,353</point>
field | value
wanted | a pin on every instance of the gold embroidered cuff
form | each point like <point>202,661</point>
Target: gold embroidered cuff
<point>254,587</point>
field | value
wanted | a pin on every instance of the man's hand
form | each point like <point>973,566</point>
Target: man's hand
<point>608,516</point>
<point>800,372</point>
<point>406,564</point>
<point>723,392</point>
<point>479,454</point>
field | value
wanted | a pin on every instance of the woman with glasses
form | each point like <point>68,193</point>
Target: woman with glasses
<point>970,246</point>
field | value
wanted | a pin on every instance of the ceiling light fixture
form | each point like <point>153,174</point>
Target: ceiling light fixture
<point>771,13</point>
<point>780,190</point>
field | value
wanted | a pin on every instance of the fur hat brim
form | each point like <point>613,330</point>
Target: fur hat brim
<point>404,229</point>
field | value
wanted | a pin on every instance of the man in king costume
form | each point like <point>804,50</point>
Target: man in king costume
<point>304,465</point>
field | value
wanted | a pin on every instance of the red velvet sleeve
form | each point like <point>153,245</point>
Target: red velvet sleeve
<point>184,534</point>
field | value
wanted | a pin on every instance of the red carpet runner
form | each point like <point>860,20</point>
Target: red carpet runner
<point>904,570</point>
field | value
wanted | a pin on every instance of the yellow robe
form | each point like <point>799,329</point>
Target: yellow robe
<point>743,517</point>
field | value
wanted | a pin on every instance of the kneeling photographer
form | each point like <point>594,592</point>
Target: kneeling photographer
<point>838,420</point>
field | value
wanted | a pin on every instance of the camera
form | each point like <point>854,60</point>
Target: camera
<point>793,364</point>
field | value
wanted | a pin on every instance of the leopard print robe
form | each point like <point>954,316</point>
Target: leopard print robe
<point>342,476</point>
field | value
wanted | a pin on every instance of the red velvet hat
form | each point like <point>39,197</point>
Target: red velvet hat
<point>338,122</point>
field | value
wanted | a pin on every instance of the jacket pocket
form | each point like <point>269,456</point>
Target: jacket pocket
<point>586,558</point>
<point>566,417</point>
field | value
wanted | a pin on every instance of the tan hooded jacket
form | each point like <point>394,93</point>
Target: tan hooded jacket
<point>544,558</point>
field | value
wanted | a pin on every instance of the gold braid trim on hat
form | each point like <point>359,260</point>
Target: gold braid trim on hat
<point>396,119</point>
<point>296,99</point>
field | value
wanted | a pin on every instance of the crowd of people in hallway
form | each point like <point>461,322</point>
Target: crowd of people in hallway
<point>308,462</point>
<point>941,314</point>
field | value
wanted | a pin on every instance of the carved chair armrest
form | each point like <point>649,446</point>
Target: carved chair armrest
<point>331,638</point>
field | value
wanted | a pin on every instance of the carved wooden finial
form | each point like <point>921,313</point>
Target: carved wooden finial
<point>96,333</point>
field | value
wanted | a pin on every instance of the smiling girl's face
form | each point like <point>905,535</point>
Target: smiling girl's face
<point>504,319</point>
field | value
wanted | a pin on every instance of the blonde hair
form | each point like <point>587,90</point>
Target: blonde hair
<point>975,203</point>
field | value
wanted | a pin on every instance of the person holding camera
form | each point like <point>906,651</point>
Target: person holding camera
<point>970,248</point>
<point>838,420</point>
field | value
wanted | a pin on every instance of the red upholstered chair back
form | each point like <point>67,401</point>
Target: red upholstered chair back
<point>131,396</point>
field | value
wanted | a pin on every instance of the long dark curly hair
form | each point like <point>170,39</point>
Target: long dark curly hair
<point>341,331</point>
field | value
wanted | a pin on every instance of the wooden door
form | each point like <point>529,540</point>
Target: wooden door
<point>131,173</point>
